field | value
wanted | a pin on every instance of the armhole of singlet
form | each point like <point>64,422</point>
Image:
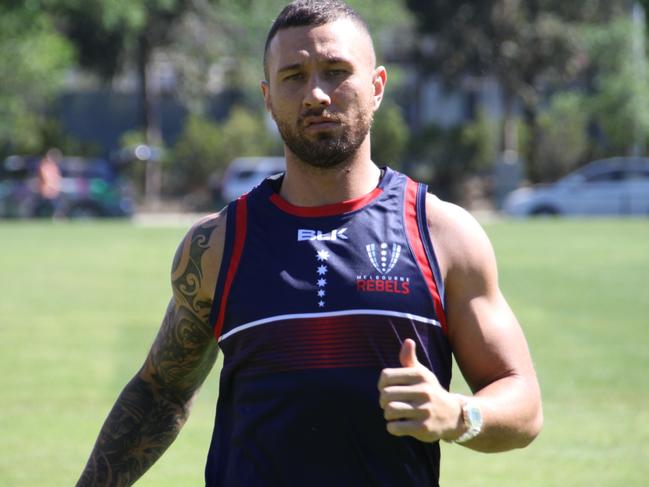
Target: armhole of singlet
<point>235,236</point>
<point>428,243</point>
<point>422,246</point>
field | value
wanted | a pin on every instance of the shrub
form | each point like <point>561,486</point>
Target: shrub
<point>390,135</point>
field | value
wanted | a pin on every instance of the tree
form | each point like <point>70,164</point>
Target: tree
<point>227,39</point>
<point>109,35</point>
<point>33,60</point>
<point>205,148</point>
<point>390,135</point>
<point>530,47</point>
<point>563,134</point>
<point>443,156</point>
<point>618,101</point>
<point>201,37</point>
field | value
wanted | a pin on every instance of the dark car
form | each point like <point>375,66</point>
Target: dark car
<point>89,188</point>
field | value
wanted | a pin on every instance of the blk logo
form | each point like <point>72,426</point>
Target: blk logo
<point>383,257</point>
<point>305,234</point>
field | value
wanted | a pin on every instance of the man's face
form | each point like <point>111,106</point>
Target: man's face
<point>322,90</point>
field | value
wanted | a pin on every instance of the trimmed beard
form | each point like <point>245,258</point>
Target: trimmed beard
<point>327,150</point>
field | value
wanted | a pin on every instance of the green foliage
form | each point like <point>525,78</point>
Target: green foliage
<point>33,59</point>
<point>446,157</point>
<point>564,139</point>
<point>132,138</point>
<point>390,135</point>
<point>518,42</point>
<point>244,134</point>
<point>231,38</point>
<point>481,136</point>
<point>134,169</point>
<point>197,153</point>
<point>619,103</point>
<point>611,118</point>
<point>111,33</point>
<point>531,48</point>
<point>35,134</point>
<point>206,147</point>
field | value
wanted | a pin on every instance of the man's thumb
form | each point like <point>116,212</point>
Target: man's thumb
<point>408,354</point>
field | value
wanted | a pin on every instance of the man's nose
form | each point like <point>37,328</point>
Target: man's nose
<point>316,95</point>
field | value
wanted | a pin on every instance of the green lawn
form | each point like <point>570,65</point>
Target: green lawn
<point>80,304</point>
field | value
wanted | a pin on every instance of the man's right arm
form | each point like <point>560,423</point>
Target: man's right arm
<point>154,405</point>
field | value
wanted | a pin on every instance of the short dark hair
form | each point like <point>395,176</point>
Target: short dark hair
<point>303,13</point>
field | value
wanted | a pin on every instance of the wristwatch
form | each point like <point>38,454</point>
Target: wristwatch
<point>472,419</point>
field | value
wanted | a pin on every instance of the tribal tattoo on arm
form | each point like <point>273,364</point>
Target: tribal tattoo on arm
<point>155,404</point>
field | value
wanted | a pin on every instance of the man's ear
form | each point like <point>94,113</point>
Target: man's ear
<point>379,81</point>
<point>265,91</point>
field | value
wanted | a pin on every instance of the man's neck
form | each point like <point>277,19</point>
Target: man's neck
<point>306,185</point>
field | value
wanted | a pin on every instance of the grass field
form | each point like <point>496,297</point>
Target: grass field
<point>80,304</point>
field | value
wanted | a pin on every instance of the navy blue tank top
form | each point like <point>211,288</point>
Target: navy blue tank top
<point>310,305</point>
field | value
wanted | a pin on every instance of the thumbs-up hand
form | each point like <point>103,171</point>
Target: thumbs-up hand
<point>414,402</point>
<point>408,354</point>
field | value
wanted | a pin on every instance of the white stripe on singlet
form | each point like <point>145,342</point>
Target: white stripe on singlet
<point>331,314</point>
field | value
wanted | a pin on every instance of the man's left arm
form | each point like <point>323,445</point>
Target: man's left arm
<point>487,342</point>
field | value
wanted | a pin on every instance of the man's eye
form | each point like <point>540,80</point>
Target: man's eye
<point>294,77</point>
<point>336,72</point>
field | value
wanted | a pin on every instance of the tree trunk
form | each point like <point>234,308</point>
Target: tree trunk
<point>150,122</point>
<point>509,141</point>
<point>533,170</point>
<point>507,170</point>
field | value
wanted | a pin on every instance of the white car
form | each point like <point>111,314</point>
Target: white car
<point>607,187</point>
<point>244,173</point>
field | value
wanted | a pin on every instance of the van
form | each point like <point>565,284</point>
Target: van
<point>244,173</point>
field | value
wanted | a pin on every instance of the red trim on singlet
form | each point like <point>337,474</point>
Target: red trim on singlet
<point>325,210</point>
<point>417,247</point>
<point>240,224</point>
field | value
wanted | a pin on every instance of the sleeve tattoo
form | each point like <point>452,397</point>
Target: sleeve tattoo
<point>154,405</point>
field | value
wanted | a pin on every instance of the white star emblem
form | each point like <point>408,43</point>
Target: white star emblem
<point>322,270</point>
<point>321,293</point>
<point>321,304</point>
<point>323,255</point>
<point>322,282</point>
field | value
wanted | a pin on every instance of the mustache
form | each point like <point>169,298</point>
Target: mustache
<point>320,112</point>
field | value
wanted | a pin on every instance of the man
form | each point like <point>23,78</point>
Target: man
<point>48,176</point>
<point>319,284</point>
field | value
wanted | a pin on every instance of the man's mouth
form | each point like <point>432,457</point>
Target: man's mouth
<point>320,122</point>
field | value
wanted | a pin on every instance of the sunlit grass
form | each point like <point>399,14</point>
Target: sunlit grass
<point>81,303</point>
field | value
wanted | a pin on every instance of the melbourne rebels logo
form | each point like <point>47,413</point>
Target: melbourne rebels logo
<point>383,257</point>
<point>381,263</point>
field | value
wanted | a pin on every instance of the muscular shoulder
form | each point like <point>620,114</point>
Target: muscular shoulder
<point>184,349</point>
<point>198,258</point>
<point>461,245</point>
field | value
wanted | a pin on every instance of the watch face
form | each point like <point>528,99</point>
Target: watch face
<point>475,416</point>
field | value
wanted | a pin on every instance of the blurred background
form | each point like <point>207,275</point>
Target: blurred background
<point>149,112</point>
<point>148,102</point>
